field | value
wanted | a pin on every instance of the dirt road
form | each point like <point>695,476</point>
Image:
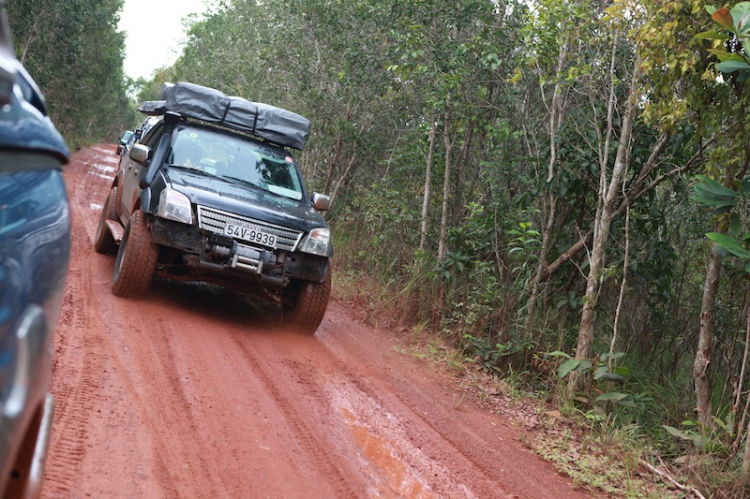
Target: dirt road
<point>187,393</point>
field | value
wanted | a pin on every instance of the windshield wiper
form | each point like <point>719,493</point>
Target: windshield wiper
<point>191,169</point>
<point>242,180</point>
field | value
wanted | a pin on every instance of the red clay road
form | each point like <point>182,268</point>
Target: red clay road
<point>189,393</point>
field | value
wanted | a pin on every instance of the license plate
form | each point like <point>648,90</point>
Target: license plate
<point>251,233</point>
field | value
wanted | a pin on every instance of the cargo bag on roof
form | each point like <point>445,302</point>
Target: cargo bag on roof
<point>207,104</point>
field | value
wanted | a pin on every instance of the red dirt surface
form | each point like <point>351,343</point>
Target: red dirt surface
<point>188,393</point>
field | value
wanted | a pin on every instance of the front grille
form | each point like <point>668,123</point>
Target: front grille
<point>216,221</point>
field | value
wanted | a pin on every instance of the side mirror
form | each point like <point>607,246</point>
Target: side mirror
<point>140,154</point>
<point>321,202</point>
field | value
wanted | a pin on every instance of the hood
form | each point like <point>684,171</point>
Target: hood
<point>233,197</point>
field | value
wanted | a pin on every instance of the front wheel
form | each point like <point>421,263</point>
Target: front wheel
<point>309,306</point>
<point>104,242</point>
<point>136,260</point>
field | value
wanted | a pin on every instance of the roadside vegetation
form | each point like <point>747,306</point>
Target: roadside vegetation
<point>557,191</point>
<point>74,52</point>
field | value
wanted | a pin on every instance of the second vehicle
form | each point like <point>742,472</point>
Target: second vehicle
<point>211,192</point>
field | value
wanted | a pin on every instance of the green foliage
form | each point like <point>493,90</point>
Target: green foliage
<point>716,439</point>
<point>375,77</point>
<point>524,248</point>
<point>603,372</point>
<point>713,194</point>
<point>734,57</point>
<point>74,52</point>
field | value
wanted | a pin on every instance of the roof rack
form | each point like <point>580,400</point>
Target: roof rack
<point>212,106</point>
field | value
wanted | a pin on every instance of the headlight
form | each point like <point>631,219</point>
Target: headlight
<point>175,205</point>
<point>317,242</point>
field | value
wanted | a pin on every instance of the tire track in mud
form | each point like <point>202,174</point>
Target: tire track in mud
<point>375,436</point>
<point>314,444</point>
<point>425,446</point>
<point>142,354</point>
<point>443,434</point>
<point>75,385</point>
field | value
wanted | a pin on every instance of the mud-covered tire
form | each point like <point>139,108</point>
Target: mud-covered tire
<point>136,260</point>
<point>309,307</point>
<point>104,242</point>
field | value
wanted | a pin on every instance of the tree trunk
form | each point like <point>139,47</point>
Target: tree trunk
<point>446,182</point>
<point>556,111</point>
<point>427,186</point>
<point>334,162</point>
<point>607,197</point>
<point>461,163</point>
<point>343,177</point>
<point>702,372</point>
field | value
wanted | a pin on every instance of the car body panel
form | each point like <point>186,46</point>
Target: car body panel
<point>34,258</point>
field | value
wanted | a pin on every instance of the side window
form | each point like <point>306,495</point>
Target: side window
<point>152,137</point>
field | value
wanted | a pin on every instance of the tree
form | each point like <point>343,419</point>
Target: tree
<point>73,49</point>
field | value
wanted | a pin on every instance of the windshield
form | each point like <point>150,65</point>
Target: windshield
<point>236,160</point>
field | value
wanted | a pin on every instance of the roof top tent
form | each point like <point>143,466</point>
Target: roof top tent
<point>271,123</point>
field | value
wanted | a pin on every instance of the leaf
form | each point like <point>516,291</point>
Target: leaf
<point>723,55</point>
<point>712,193</point>
<point>728,429</point>
<point>743,24</point>
<point>735,225</point>
<point>724,18</point>
<point>678,433</point>
<point>616,396</point>
<point>732,66</point>
<point>712,35</point>
<point>567,366</point>
<point>622,371</point>
<point>729,244</point>
<point>710,185</point>
<point>612,377</point>
<point>711,9</point>
<point>741,15</point>
<point>585,365</point>
<point>601,371</point>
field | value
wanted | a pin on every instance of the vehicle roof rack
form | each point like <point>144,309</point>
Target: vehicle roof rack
<point>274,124</point>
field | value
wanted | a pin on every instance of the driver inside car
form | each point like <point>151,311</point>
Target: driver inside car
<point>189,154</point>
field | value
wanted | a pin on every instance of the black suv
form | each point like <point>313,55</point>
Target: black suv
<point>211,193</point>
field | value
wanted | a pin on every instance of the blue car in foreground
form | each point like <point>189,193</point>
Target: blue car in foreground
<point>34,256</point>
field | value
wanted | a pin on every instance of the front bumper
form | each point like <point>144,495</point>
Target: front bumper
<point>202,251</point>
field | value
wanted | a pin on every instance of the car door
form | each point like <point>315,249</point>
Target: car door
<point>129,176</point>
